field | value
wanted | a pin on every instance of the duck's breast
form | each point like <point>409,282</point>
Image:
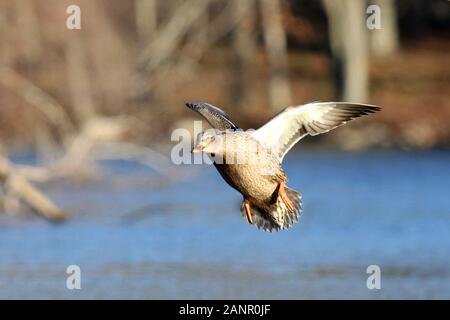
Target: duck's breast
<point>250,180</point>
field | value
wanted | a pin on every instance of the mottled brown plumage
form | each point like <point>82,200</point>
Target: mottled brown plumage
<point>250,162</point>
<point>250,168</point>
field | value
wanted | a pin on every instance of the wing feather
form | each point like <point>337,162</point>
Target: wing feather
<point>215,116</point>
<point>282,132</point>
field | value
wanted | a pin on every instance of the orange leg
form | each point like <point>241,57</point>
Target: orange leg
<point>285,198</point>
<point>248,211</point>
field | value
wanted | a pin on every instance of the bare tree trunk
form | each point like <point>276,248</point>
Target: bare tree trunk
<point>146,19</point>
<point>191,52</point>
<point>276,47</point>
<point>335,17</point>
<point>356,52</point>
<point>108,59</point>
<point>244,45</point>
<point>79,79</point>
<point>385,41</point>
<point>29,30</point>
<point>349,45</point>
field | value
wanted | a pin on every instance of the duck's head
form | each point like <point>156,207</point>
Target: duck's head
<point>209,141</point>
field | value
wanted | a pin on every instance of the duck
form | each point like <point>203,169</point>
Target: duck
<point>250,161</point>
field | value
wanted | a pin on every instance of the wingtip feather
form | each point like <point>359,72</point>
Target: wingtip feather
<point>193,105</point>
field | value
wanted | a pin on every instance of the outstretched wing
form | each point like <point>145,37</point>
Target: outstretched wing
<point>215,116</point>
<point>288,127</point>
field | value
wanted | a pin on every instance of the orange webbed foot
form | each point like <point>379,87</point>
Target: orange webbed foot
<point>284,197</point>
<point>248,211</point>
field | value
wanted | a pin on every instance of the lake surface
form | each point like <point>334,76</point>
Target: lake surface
<point>187,240</point>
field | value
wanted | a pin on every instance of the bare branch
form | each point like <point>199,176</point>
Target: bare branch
<point>37,97</point>
<point>19,186</point>
<point>168,39</point>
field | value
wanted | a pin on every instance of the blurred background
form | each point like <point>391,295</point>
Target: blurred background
<point>86,118</point>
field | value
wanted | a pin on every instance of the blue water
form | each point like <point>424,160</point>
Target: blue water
<point>186,239</point>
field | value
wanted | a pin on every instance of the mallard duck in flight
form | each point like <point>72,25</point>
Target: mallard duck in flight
<point>268,203</point>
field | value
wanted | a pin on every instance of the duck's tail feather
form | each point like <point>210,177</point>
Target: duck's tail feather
<point>278,217</point>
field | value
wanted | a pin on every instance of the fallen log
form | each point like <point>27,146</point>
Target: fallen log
<point>16,184</point>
